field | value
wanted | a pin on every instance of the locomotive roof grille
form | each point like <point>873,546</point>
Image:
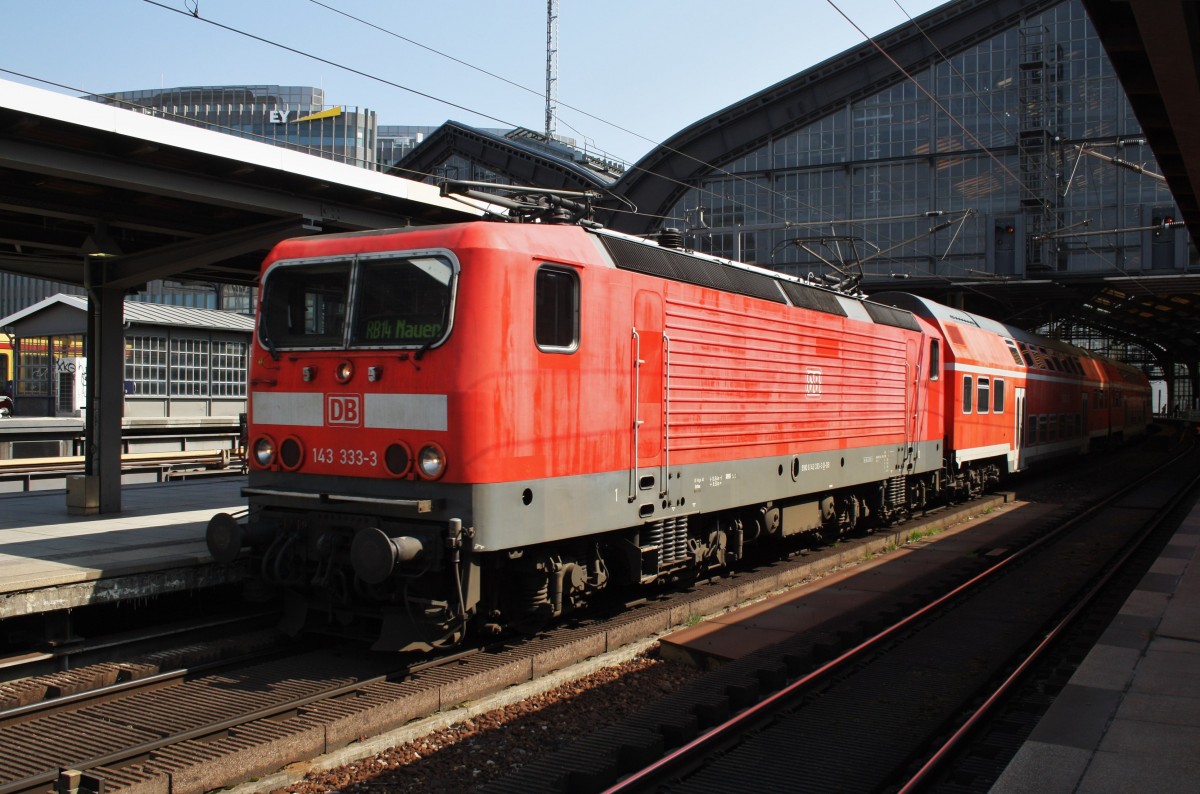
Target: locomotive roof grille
<point>677,266</point>
<point>889,315</point>
<point>810,298</point>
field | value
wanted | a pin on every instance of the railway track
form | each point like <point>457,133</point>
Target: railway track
<point>200,732</point>
<point>205,731</point>
<point>52,669</point>
<point>878,709</point>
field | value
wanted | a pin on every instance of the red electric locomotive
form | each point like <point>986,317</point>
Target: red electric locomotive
<point>486,423</point>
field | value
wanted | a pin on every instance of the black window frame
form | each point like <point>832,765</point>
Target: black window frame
<point>552,320</point>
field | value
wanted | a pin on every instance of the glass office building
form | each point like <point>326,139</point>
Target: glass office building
<point>295,117</point>
<point>394,141</point>
<point>989,135</point>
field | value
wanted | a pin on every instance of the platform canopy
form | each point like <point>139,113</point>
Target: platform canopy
<point>153,198</point>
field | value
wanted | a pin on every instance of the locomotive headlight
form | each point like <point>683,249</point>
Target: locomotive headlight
<point>398,459</point>
<point>291,453</point>
<point>431,461</point>
<point>264,451</point>
<point>343,372</point>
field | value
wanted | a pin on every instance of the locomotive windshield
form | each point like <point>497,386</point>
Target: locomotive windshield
<point>400,301</point>
<point>305,305</point>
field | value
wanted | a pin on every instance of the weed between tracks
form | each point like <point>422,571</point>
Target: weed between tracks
<point>474,752</point>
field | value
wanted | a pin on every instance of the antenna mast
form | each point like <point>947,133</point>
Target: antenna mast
<point>551,66</point>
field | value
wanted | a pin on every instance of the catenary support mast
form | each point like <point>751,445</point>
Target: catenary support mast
<point>551,67</point>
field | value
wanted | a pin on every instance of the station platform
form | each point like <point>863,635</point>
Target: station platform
<point>50,560</point>
<point>1129,719</point>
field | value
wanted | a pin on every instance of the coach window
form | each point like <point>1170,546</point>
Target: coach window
<point>935,359</point>
<point>985,396</point>
<point>556,321</point>
<point>967,394</point>
<point>1025,354</point>
<point>998,396</point>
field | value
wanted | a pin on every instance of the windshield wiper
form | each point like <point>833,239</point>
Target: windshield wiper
<point>423,349</point>
<point>442,324</point>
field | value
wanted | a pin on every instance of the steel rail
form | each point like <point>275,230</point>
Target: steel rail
<point>985,709</point>
<point>30,709</point>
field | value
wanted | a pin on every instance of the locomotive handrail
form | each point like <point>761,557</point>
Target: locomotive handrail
<point>637,422</point>
<point>420,505</point>
<point>664,491</point>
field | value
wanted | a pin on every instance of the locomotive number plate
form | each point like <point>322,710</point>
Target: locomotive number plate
<point>345,457</point>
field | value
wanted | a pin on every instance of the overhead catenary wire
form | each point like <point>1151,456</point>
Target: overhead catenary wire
<point>719,171</point>
<point>334,64</point>
<point>614,125</point>
<point>699,188</point>
<point>385,81</point>
<point>970,135</point>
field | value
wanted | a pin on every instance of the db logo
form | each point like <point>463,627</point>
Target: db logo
<point>343,409</point>
<point>812,384</point>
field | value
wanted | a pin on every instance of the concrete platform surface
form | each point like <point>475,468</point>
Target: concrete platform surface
<point>160,528</point>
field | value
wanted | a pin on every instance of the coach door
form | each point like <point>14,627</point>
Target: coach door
<point>649,443</point>
<point>1019,430</point>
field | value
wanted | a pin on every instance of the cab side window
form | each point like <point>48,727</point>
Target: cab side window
<point>556,310</point>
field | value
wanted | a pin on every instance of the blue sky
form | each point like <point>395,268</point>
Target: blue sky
<point>651,67</point>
